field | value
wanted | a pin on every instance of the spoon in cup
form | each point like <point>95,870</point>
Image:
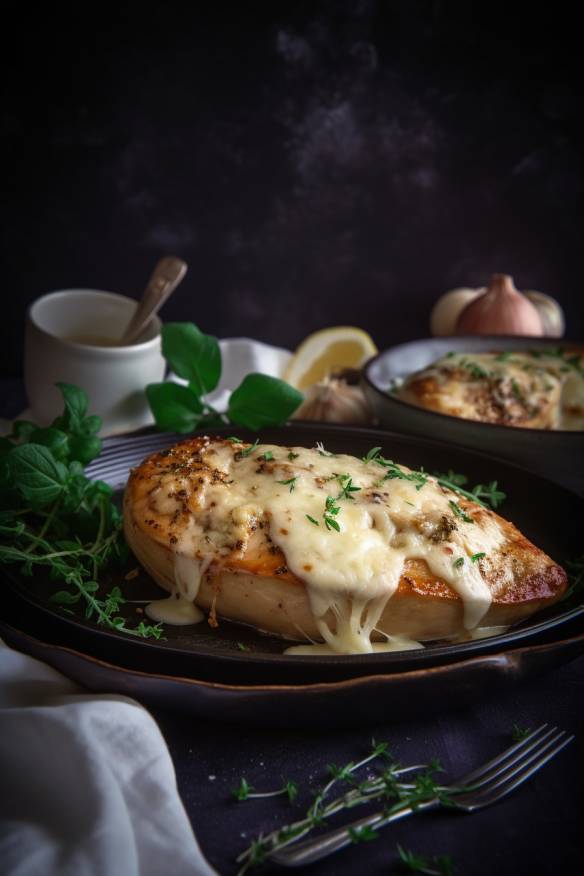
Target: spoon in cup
<point>166,276</point>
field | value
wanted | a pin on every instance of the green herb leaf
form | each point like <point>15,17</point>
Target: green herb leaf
<point>490,492</point>
<point>192,355</point>
<point>459,512</point>
<point>241,454</point>
<point>261,401</point>
<point>38,476</point>
<point>291,481</point>
<point>175,408</point>
<point>243,791</point>
<point>458,562</point>
<point>267,456</point>
<point>372,455</point>
<point>76,404</point>
<point>363,834</point>
<point>56,441</point>
<point>476,557</point>
<point>292,456</point>
<point>312,520</point>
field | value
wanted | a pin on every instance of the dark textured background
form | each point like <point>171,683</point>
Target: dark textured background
<point>315,163</point>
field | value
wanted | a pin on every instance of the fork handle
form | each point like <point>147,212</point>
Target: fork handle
<point>299,854</point>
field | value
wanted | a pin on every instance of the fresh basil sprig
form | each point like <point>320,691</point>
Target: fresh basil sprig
<point>257,402</point>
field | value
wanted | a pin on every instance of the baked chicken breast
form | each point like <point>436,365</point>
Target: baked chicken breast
<point>534,389</point>
<point>320,547</point>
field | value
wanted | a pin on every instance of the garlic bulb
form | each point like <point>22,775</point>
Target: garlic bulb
<point>333,400</point>
<point>550,313</point>
<point>447,310</point>
<point>501,310</point>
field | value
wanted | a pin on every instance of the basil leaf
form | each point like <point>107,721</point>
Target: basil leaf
<point>262,401</point>
<point>85,448</point>
<point>76,403</point>
<point>56,440</point>
<point>192,355</point>
<point>37,474</point>
<point>175,408</point>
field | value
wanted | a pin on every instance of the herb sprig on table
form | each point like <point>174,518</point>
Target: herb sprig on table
<point>391,785</point>
<point>53,516</point>
<point>257,402</point>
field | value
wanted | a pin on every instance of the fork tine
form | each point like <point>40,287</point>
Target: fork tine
<point>519,774</point>
<point>510,755</point>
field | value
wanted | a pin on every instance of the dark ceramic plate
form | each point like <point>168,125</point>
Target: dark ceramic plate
<point>549,515</point>
<point>558,455</point>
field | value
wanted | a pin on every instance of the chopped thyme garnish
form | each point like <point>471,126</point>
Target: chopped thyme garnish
<point>458,562</point>
<point>235,440</point>
<point>474,368</point>
<point>291,481</point>
<point>503,357</point>
<point>267,456</point>
<point>459,512</point>
<point>242,647</point>
<point>312,520</point>
<point>292,455</point>
<point>347,487</point>
<point>476,557</point>
<point>372,455</point>
<point>517,391</point>
<point>331,509</point>
<point>241,453</point>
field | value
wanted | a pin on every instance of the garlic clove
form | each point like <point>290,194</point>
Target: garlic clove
<point>550,313</point>
<point>333,400</point>
<point>448,308</point>
<point>501,310</point>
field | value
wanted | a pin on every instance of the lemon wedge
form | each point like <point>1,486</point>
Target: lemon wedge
<point>326,351</point>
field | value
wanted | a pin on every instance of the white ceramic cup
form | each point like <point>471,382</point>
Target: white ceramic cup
<point>66,339</point>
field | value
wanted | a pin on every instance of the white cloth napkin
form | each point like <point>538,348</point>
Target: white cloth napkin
<point>87,784</point>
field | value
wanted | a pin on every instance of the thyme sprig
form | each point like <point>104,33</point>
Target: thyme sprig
<point>439,865</point>
<point>483,494</point>
<point>385,782</point>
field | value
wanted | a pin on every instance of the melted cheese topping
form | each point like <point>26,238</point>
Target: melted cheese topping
<point>384,517</point>
<point>534,389</point>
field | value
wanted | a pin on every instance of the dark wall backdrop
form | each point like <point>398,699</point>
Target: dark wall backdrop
<point>315,163</point>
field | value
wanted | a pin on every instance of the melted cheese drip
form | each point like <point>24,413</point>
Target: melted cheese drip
<point>349,575</point>
<point>394,643</point>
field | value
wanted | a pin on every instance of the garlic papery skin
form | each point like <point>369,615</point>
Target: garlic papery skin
<point>333,400</point>
<point>501,310</point>
<point>550,313</point>
<point>448,308</point>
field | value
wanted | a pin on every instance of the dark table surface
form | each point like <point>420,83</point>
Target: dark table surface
<point>537,830</point>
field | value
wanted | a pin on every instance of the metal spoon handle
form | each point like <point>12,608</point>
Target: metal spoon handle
<point>165,278</point>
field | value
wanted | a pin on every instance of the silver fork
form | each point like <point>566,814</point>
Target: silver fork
<point>479,788</point>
